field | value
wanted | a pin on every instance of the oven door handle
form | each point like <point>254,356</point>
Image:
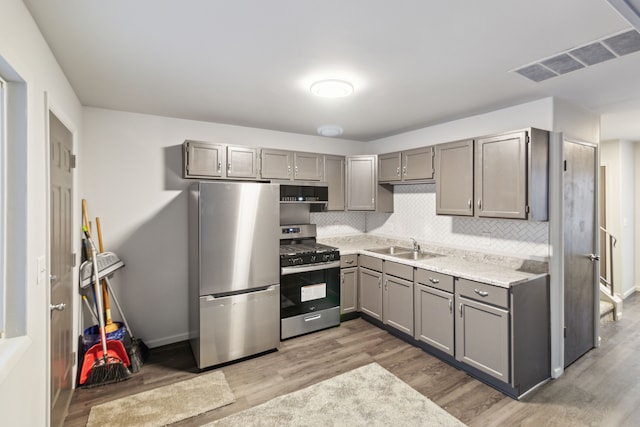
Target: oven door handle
<point>310,267</point>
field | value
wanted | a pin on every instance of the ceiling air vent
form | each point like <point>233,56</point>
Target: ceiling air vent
<point>593,53</point>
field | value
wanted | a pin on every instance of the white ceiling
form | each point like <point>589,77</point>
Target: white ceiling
<point>413,63</point>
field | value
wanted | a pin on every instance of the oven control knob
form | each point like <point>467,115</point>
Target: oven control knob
<point>313,258</point>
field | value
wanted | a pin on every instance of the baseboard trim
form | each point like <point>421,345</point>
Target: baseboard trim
<point>167,340</point>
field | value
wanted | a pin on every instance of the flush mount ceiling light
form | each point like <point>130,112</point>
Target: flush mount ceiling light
<point>332,88</point>
<point>330,130</point>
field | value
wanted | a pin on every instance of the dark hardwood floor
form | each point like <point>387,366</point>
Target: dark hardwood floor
<point>601,389</point>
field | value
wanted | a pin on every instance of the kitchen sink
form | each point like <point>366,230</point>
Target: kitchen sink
<point>416,255</point>
<point>390,250</point>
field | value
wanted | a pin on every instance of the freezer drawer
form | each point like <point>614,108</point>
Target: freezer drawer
<point>310,322</point>
<point>237,326</point>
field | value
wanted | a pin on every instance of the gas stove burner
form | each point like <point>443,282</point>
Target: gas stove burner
<point>305,248</point>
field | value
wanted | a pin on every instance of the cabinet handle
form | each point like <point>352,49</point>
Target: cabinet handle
<point>398,171</point>
<point>434,281</point>
<point>349,262</point>
<point>481,293</point>
<point>296,172</point>
<point>450,306</point>
<point>386,285</point>
<point>404,171</point>
<point>342,276</point>
<point>460,308</point>
<point>379,283</point>
<point>219,167</point>
<point>469,204</point>
<point>229,167</point>
<point>288,170</point>
<point>479,204</point>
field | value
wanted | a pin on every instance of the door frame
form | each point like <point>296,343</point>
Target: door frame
<point>556,240</point>
<point>52,107</point>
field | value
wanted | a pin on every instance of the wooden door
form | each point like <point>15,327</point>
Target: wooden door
<point>454,178</point>
<point>580,266</point>
<point>397,306</point>
<point>434,318</point>
<point>349,290</point>
<point>61,268</point>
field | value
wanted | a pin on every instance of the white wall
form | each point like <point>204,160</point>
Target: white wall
<point>132,166</point>
<point>618,157</point>
<point>24,393</point>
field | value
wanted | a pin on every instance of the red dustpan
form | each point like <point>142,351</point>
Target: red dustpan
<point>95,357</point>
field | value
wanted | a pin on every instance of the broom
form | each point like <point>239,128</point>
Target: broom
<point>110,366</point>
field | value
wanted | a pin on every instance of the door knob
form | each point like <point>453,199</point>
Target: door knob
<point>594,257</point>
<point>57,307</point>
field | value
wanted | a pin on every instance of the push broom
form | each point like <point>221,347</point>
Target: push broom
<point>107,361</point>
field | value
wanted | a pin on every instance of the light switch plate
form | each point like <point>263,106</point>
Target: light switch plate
<point>42,269</point>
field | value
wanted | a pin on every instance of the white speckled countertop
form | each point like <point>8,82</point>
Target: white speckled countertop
<point>492,269</point>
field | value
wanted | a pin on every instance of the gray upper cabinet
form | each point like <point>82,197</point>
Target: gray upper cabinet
<point>363,191</point>
<point>242,162</point>
<point>291,165</point>
<point>334,175</point>
<point>203,159</point>
<point>307,166</point>
<point>276,164</point>
<point>454,178</point>
<point>406,166</point>
<point>507,178</point>
<point>390,167</point>
<point>208,160</point>
<point>511,179</point>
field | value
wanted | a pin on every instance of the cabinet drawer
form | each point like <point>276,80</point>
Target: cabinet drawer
<point>399,270</point>
<point>444,282</point>
<point>370,263</point>
<point>483,292</point>
<point>348,261</point>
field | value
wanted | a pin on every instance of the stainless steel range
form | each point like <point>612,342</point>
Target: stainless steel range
<point>309,282</point>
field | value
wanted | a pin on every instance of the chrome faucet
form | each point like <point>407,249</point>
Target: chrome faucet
<point>416,246</point>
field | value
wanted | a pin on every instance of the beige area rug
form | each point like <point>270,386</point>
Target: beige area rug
<point>165,405</point>
<point>367,396</point>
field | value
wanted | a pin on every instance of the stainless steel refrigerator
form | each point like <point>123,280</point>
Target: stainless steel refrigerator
<point>234,270</point>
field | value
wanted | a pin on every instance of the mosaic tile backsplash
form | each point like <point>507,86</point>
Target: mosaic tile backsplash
<point>414,216</point>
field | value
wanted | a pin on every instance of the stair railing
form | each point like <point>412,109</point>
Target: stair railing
<point>611,243</point>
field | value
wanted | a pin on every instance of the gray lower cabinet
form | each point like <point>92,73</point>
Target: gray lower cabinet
<point>370,292</point>
<point>334,175</point>
<point>348,284</point>
<point>482,337</point>
<point>434,318</point>
<point>397,298</point>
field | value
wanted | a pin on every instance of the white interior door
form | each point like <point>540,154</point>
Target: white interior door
<point>61,268</point>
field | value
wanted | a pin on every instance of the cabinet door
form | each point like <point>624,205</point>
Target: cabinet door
<point>307,166</point>
<point>454,178</point>
<point>482,337</point>
<point>203,159</point>
<point>348,290</point>
<point>370,292</point>
<point>434,318</point>
<point>361,183</point>
<point>501,176</point>
<point>334,176</point>
<point>417,164</point>
<point>397,298</point>
<point>242,162</point>
<point>389,167</point>
<point>276,164</point>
